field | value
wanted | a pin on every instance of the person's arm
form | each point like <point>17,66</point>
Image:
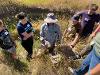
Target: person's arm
<point>42,35</point>
<point>26,35</point>
<point>23,32</point>
<point>59,34</point>
<point>95,31</point>
<point>94,71</point>
<point>98,27</point>
<point>77,36</point>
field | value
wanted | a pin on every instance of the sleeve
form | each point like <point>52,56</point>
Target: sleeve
<point>42,35</point>
<point>77,16</point>
<point>20,29</point>
<point>59,33</point>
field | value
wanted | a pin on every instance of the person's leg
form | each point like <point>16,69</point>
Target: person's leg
<point>85,65</point>
<point>28,45</point>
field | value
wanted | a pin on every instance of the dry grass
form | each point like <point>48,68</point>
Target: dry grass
<point>38,66</point>
<point>42,65</point>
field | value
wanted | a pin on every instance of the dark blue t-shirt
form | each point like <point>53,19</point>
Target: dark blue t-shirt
<point>24,28</point>
<point>87,21</point>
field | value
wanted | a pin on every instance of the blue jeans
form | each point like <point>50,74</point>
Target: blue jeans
<point>88,63</point>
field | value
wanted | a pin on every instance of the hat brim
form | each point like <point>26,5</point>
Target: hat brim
<point>49,20</point>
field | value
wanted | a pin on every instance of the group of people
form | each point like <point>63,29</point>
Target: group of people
<point>84,23</point>
<point>50,36</point>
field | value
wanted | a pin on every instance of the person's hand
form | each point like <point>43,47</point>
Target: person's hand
<point>72,45</point>
<point>47,44</point>
<point>92,35</point>
<point>25,38</point>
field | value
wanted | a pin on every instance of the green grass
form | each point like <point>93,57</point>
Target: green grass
<point>59,4</point>
<point>31,2</point>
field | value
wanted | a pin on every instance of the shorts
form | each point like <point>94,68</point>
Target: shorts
<point>11,50</point>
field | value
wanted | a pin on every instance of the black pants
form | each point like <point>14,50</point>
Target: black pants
<point>28,45</point>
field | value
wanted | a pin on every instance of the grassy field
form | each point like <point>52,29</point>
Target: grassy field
<point>41,65</point>
<point>59,4</point>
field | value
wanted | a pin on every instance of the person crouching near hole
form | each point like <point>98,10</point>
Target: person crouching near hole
<point>25,31</point>
<point>6,41</point>
<point>50,33</point>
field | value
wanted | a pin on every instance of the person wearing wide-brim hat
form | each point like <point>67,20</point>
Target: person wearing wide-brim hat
<point>50,18</point>
<point>50,33</point>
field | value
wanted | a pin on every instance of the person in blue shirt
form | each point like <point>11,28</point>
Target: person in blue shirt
<point>6,42</point>
<point>50,33</point>
<point>84,22</point>
<point>25,31</point>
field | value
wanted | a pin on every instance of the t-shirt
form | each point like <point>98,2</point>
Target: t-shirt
<point>24,28</point>
<point>87,21</point>
<point>5,40</point>
<point>97,43</point>
<point>73,29</point>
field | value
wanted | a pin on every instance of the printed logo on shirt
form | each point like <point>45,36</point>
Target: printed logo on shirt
<point>86,19</point>
<point>28,25</point>
<point>6,33</point>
